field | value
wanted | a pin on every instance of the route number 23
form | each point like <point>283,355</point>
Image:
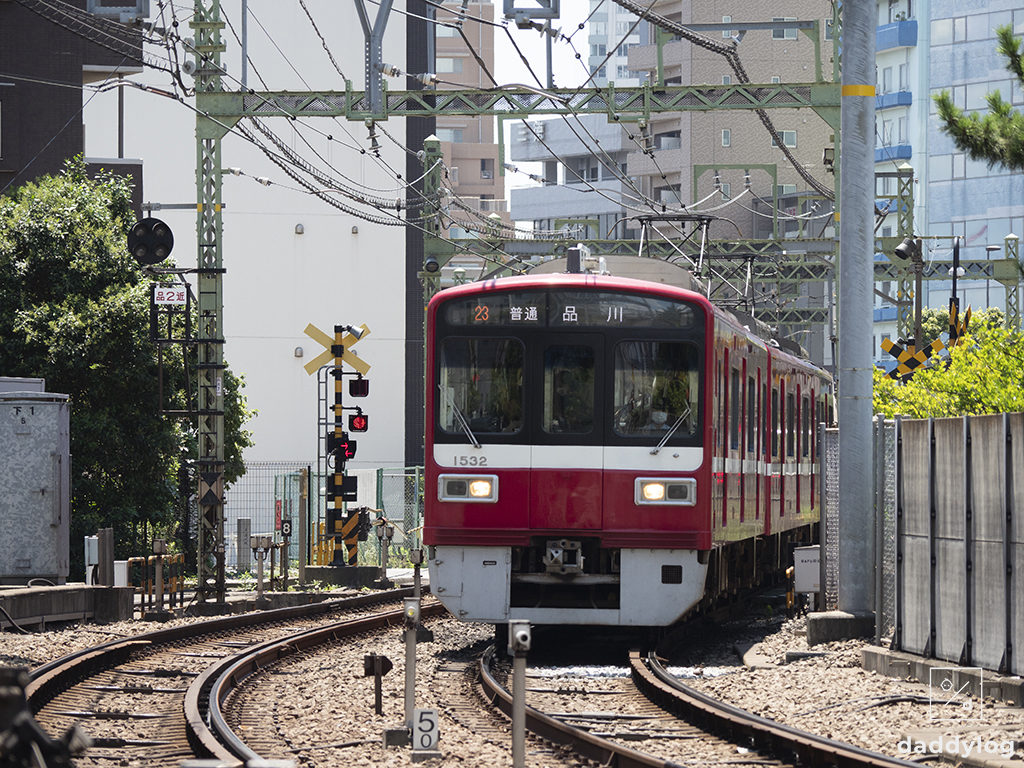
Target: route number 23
<point>425,730</point>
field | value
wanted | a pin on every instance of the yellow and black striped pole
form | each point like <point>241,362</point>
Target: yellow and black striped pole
<point>338,350</point>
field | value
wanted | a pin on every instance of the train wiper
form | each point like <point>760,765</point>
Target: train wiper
<point>459,417</point>
<point>672,431</point>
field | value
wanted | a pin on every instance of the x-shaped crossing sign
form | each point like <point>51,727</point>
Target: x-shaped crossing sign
<point>347,341</point>
<point>909,360</point>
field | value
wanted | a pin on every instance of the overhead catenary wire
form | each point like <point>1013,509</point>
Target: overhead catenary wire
<point>732,56</point>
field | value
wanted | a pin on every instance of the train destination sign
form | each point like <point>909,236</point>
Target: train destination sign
<point>570,309</point>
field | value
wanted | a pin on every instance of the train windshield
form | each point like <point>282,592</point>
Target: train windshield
<point>656,388</point>
<point>481,382</point>
<point>569,389</point>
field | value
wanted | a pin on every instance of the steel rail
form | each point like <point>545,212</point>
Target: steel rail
<point>602,751</point>
<point>51,678</point>
<point>213,687</point>
<point>765,735</point>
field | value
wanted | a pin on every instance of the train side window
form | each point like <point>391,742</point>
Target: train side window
<point>656,385</point>
<point>805,412</point>
<point>734,409</point>
<point>481,380</point>
<point>790,425</point>
<point>775,422</point>
<point>751,414</point>
<point>568,389</point>
<point>764,419</point>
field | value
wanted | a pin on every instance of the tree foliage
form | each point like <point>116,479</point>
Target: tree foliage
<point>984,376</point>
<point>997,137</point>
<point>935,322</point>
<point>74,309</point>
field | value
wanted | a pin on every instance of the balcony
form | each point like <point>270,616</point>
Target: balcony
<point>899,34</point>
<point>896,99</point>
<point>898,152</point>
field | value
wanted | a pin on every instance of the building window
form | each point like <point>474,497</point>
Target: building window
<point>486,167</point>
<point>787,189</point>
<point>622,28</point>
<point>903,124</point>
<point>726,137</point>
<point>726,191</point>
<point>726,33</point>
<point>443,30</point>
<point>453,135</point>
<point>623,49</point>
<point>887,133</point>
<point>622,72</point>
<point>904,77</point>
<point>598,49</point>
<point>887,80</point>
<point>784,34</point>
<point>960,29</point>
<point>726,79</point>
<point>776,79</point>
<point>447,64</point>
<point>788,138</point>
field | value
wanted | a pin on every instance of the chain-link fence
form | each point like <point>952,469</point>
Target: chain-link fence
<point>885,521</point>
<point>830,525</point>
<point>270,491</point>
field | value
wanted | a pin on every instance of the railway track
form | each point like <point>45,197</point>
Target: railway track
<point>145,699</point>
<point>677,723</point>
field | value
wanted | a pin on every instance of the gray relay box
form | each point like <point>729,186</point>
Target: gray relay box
<point>35,487</point>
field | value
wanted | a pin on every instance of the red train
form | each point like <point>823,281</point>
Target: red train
<point>609,451</point>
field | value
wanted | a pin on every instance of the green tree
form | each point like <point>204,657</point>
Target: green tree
<point>74,309</point>
<point>935,322</point>
<point>997,137</point>
<point>984,376</point>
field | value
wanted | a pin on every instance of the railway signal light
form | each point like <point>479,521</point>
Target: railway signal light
<point>359,387</point>
<point>341,447</point>
<point>358,422</point>
<point>150,241</point>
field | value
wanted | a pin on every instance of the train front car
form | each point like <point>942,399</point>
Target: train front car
<point>567,475</point>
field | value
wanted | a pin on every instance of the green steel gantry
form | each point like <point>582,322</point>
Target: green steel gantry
<point>218,111</point>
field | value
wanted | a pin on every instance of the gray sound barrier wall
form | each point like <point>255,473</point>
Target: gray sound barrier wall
<point>960,574</point>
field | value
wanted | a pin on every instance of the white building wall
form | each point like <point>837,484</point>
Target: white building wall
<point>278,281</point>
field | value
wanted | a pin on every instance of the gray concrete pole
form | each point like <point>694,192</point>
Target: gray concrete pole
<point>856,226</point>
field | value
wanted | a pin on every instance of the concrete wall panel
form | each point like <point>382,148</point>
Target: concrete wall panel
<point>1016,537</point>
<point>915,456</point>
<point>950,479</point>
<point>951,602</point>
<point>914,594</point>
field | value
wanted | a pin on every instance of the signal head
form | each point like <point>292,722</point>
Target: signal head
<point>358,422</point>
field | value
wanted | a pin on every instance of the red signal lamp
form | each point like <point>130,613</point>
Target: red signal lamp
<point>358,422</point>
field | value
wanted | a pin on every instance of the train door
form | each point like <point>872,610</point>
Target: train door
<point>750,494</point>
<point>778,449</point>
<point>723,448</point>
<point>762,452</point>
<point>735,444</point>
<point>789,473</point>
<point>567,458</point>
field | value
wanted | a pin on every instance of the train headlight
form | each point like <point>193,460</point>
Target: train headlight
<point>678,491</point>
<point>653,491</point>
<point>477,488</point>
<point>480,489</point>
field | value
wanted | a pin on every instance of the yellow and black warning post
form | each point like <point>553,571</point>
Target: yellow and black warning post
<point>342,526</point>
